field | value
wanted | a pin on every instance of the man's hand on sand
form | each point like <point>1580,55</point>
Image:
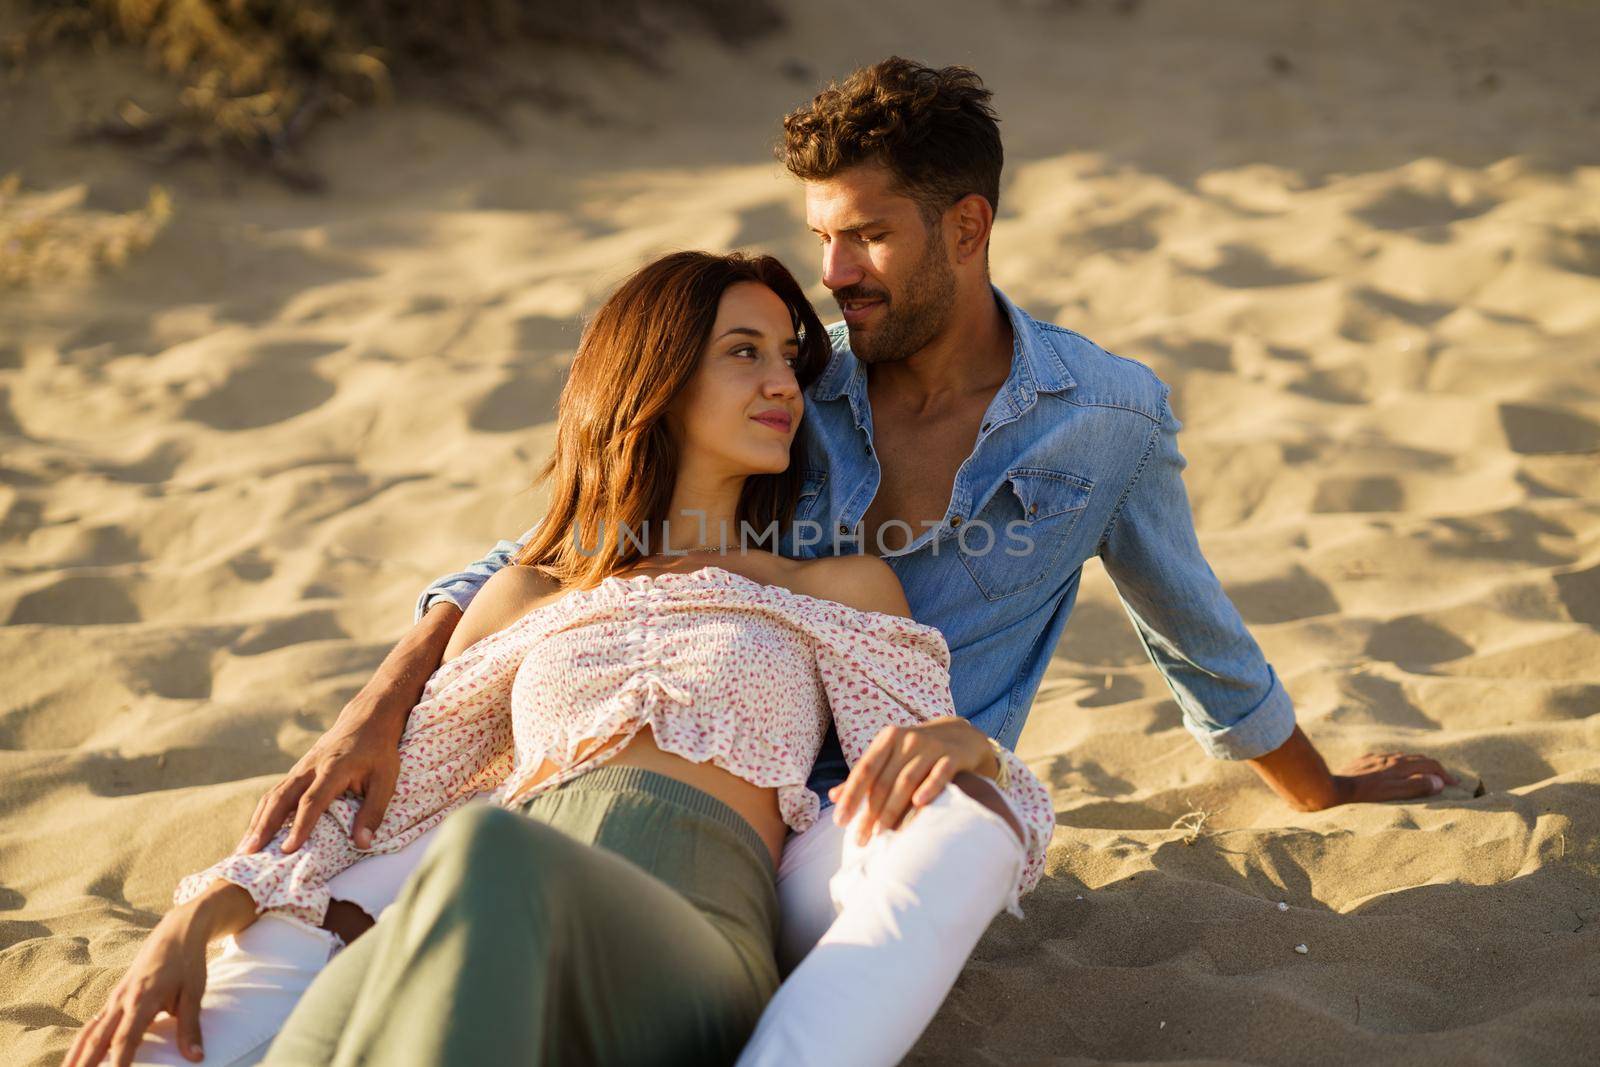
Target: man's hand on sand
<point>360,753</point>
<point>1297,772</point>
<point>1379,776</point>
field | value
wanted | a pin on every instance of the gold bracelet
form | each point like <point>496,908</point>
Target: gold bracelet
<point>1002,778</point>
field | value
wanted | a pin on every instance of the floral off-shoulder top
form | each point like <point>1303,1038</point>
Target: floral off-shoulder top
<point>721,667</point>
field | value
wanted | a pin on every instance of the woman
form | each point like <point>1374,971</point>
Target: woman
<point>651,721</point>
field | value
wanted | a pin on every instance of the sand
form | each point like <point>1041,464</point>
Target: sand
<point>1361,241</point>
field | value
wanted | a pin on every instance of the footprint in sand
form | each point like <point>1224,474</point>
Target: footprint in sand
<point>1580,594</point>
<point>1534,430</point>
<point>169,666</point>
<point>1576,250</point>
<point>1409,209</point>
<point>8,421</point>
<point>273,634</point>
<point>175,768</point>
<point>276,384</point>
<point>77,600</point>
<point>157,465</point>
<point>1100,635</point>
<point>1379,492</point>
<point>252,566</point>
<point>1295,595</point>
<point>1414,640</point>
<point>1242,267</point>
<point>526,396</point>
<point>517,403</point>
<point>547,333</point>
<point>761,226</point>
<point>1192,353</point>
<point>1370,700</point>
<point>1373,315</point>
<point>1133,234</point>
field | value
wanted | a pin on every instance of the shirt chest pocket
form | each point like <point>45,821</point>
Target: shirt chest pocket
<point>808,525</point>
<point>807,503</point>
<point>1020,533</point>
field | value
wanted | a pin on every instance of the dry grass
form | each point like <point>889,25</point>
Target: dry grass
<point>52,236</point>
<point>255,76</point>
<point>1193,823</point>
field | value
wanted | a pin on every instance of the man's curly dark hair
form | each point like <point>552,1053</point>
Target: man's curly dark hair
<point>932,127</point>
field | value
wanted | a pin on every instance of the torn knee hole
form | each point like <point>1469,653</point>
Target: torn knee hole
<point>987,793</point>
<point>346,919</point>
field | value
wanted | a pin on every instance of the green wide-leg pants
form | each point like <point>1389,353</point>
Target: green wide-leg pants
<point>622,918</point>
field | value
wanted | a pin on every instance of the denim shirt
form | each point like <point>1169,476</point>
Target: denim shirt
<point>1077,457</point>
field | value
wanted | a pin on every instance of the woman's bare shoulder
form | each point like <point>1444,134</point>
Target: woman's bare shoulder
<point>517,589</point>
<point>863,582</point>
<point>518,580</point>
<point>509,594</point>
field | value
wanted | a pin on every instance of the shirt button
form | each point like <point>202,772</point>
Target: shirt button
<point>986,427</point>
<point>843,528</point>
<point>955,520</point>
<point>1033,509</point>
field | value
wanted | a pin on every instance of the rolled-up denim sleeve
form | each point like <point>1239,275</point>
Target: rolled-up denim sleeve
<point>459,588</point>
<point>1232,700</point>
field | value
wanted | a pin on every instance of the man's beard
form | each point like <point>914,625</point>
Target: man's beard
<point>912,322</point>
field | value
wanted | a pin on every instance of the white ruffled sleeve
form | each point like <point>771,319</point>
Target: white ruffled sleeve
<point>456,744</point>
<point>881,670</point>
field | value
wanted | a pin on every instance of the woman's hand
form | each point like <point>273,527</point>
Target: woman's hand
<point>908,766</point>
<point>168,974</point>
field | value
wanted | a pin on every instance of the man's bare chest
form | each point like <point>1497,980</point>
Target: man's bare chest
<point>918,465</point>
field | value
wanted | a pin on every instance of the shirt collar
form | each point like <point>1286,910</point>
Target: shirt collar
<point>830,385</point>
<point>1040,368</point>
<point>1036,366</point>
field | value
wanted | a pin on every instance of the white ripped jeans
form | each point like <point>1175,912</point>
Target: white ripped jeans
<point>901,913</point>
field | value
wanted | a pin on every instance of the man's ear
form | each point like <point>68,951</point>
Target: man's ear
<point>974,222</point>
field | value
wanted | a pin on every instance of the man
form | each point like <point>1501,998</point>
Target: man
<point>986,457</point>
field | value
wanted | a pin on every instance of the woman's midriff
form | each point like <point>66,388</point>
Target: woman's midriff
<point>757,804</point>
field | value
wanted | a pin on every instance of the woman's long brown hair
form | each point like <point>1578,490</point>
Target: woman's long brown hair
<point>615,463</point>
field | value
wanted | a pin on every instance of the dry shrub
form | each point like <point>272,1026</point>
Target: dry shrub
<point>52,236</point>
<point>256,75</point>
